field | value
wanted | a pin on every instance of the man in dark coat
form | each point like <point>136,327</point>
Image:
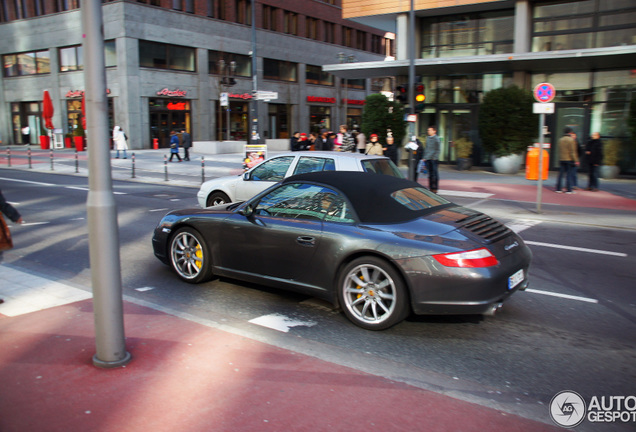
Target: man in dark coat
<point>186,143</point>
<point>594,154</point>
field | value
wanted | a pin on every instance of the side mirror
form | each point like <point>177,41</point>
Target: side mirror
<point>247,211</point>
<point>247,176</point>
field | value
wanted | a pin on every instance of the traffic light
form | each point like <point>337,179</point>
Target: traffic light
<point>401,94</point>
<point>420,97</point>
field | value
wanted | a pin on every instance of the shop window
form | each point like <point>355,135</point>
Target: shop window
<point>243,63</point>
<point>27,63</point>
<point>165,56</point>
<point>315,75</point>
<point>280,70</point>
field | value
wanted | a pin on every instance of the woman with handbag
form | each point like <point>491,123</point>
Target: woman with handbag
<point>5,235</point>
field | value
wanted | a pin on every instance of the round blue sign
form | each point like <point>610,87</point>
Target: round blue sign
<point>544,92</point>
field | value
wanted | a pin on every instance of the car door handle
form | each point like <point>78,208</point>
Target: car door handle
<point>306,241</point>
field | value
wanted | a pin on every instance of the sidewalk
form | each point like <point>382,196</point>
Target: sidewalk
<point>188,376</point>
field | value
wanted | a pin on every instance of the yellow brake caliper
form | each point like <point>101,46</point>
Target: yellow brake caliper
<point>199,254</point>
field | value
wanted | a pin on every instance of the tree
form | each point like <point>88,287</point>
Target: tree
<point>381,115</point>
<point>507,124</point>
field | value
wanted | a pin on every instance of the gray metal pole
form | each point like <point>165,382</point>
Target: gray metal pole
<point>540,181</point>
<point>255,135</point>
<point>411,95</point>
<point>103,231</point>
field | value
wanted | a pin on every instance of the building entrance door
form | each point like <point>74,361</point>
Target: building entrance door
<point>453,125</point>
<point>573,117</point>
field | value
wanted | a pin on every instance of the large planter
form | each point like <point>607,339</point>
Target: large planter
<point>464,163</point>
<point>68,142</point>
<point>609,171</point>
<point>44,142</point>
<point>79,143</point>
<point>510,164</point>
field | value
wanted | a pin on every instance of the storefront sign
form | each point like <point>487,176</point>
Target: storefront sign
<point>177,106</point>
<point>172,93</point>
<point>354,102</point>
<point>76,94</point>
<point>240,96</point>
<point>321,99</point>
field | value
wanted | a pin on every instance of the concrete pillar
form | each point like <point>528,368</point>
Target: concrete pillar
<point>130,115</point>
<point>522,38</point>
<point>201,121</point>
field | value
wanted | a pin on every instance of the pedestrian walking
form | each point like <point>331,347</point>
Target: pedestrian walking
<point>568,159</point>
<point>390,149</point>
<point>174,146</point>
<point>186,143</point>
<point>594,155</point>
<point>325,141</point>
<point>431,158</point>
<point>119,141</point>
<point>294,142</point>
<point>347,143</point>
<point>374,147</point>
<point>361,142</point>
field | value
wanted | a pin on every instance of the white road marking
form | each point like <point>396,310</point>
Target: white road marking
<point>158,210</point>
<point>565,296</point>
<point>24,293</point>
<point>521,225</point>
<point>574,248</point>
<point>464,194</point>
<point>27,181</point>
<point>35,223</point>
<point>144,289</point>
<point>88,190</point>
<point>280,322</point>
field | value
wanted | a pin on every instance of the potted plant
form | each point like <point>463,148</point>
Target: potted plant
<point>611,156</point>
<point>44,141</point>
<point>78,137</point>
<point>464,151</point>
<point>507,126</point>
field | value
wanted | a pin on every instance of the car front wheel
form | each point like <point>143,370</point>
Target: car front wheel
<point>189,256</point>
<point>372,294</point>
<point>218,198</point>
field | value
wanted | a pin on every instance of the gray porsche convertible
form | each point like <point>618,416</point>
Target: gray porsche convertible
<point>379,247</point>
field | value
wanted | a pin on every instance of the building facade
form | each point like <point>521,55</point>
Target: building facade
<point>585,48</point>
<point>170,64</point>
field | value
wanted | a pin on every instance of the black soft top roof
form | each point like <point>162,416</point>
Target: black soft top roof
<point>370,194</point>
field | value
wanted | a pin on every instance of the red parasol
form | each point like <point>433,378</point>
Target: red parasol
<point>47,110</point>
<point>84,111</point>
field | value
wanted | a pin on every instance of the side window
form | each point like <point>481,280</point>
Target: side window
<point>272,170</point>
<point>304,201</point>
<point>381,166</point>
<point>307,164</point>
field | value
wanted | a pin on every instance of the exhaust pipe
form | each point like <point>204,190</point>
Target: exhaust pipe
<point>492,310</point>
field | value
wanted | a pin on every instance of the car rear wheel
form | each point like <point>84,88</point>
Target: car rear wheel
<point>372,294</point>
<point>217,198</point>
<point>189,256</point>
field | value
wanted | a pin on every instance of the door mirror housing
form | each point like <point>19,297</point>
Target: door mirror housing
<point>247,211</point>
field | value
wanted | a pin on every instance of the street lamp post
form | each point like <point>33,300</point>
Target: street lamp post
<point>227,70</point>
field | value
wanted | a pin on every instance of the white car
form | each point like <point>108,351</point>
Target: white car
<point>244,186</point>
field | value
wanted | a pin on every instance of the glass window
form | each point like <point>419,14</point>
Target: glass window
<point>165,56</point>
<point>307,164</point>
<point>71,59</point>
<point>381,166</point>
<point>291,23</point>
<point>110,53</point>
<point>305,201</point>
<point>315,75</point>
<point>27,63</point>
<point>243,63</point>
<point>418,198</point>
<point>272,169</point>
<point>280,70</point>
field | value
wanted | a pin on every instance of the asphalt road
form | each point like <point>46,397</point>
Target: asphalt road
<point>574,329</point>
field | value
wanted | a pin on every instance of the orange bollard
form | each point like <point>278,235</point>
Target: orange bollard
<point>532,164</point>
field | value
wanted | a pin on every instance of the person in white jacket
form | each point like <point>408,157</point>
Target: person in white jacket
<point>119,141</point>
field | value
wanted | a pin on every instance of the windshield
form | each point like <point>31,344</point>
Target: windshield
<point>418,198</point>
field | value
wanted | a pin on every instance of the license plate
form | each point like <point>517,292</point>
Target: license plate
<point>515,279</point>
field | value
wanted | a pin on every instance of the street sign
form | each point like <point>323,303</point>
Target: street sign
<point>542,108</point>
<point>266,95</point>
<point>224,100</point>
<point>544,92</point>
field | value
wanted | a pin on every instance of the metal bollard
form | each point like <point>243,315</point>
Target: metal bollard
<point>133,165</point>
<point>202,169</point>
<point>9,156</point>
<point>76,162</point>
<point>165,166</point>
<point>29,156</point>
<point>51,156</point>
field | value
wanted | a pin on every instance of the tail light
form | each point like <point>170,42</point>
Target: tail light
<point>469,259</point>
